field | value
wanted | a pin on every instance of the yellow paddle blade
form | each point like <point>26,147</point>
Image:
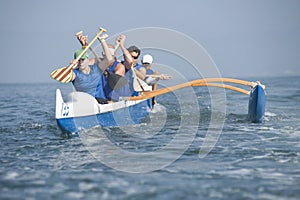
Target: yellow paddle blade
<point>63,75</point>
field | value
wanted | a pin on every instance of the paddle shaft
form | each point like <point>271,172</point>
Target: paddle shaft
<point>91,49</point>
<point>90,44</point>
<point>153,76</point>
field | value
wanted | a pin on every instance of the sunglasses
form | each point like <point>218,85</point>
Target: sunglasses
<point>135,57</point>
<point>82,59</point>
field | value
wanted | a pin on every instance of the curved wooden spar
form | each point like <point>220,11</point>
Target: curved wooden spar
<point>229,87</point>
<point>226,80</point>
<point>196,83</point>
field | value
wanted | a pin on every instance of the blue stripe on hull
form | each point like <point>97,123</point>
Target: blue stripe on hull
<point>256,106</point>
<point>122,117</point>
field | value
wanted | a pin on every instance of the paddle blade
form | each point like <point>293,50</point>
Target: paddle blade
<point>63,75</point>
<point>115,81</point>
<point>140,86</point>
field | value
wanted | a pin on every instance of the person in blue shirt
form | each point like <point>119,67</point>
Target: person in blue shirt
<point>116,67</point>
<point>150,76</point>
<point>87,75</point>
<point>131,56</point>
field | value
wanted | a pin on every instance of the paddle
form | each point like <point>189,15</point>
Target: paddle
<point>138,84</point>
<point>195,83</point>
<point>65,74</point>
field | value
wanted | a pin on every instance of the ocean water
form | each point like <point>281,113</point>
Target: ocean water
<point>247,161</point>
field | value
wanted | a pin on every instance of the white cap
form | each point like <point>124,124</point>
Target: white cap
<point>147,59</point>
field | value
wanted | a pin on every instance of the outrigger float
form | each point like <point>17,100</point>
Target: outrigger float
<point>81,111</point>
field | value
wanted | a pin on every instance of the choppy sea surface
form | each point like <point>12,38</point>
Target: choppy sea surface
<point>248,161</point>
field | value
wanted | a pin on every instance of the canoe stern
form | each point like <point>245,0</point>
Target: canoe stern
<point>257,102</point>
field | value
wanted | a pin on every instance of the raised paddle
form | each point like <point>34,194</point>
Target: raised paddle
<point>65,74</point>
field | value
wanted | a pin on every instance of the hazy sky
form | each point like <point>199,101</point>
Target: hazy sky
<point>244,38</point>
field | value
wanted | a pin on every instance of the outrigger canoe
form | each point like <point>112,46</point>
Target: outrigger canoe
<point>81,111</point>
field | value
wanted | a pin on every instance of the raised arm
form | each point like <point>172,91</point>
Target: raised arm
<point>127,57</point>
<point>110,59</point>
<point>83,39</point>
<point>104,63</point>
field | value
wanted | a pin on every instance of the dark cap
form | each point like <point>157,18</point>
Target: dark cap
<point>135,49</point>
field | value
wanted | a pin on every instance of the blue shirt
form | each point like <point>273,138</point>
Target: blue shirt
<point>89,83</point>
